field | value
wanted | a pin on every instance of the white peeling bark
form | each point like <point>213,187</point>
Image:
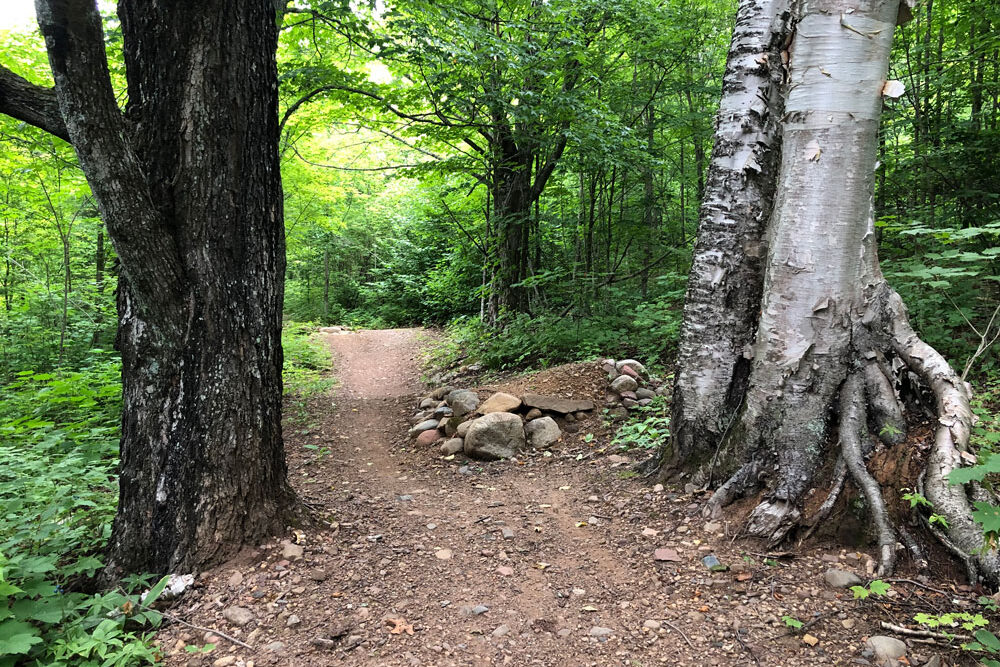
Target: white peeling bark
<point>839,59</point>
<point>723,292</point>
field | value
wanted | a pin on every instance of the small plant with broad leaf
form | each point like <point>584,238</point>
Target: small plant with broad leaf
<point>877,588</point>
<point>646,427</point>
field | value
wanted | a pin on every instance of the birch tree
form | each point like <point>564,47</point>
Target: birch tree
<point>779,357</point>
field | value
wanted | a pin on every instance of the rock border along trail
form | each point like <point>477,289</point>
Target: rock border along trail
<point>551,560</point>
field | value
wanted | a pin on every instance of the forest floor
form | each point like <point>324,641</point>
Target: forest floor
<point>551,560</point>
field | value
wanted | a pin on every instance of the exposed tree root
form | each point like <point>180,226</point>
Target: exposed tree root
<point>839,480</point>
<point>853,432</point>
<point>737,486</point>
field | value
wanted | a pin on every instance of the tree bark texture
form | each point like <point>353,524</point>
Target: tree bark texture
<point>724,288</point>
<point>826,321</point>
<point>188,184</point>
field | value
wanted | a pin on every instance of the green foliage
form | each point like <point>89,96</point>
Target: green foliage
<point>308,363</point>
<point>646,427</point>
<point>792,622</point>
<point>877,587</point>
<point>59,445</point>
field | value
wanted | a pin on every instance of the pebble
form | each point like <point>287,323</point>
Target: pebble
<point>507,533</point>
<point>479,610</point>
<point>235,579</point>
<point>443,554</point>
<point>293,621</point>
<point>225,662</point>
<point>886,648</point>
<point>651,624</point>
<point>598,631</point>
<point>292,551</point>
<point>505,571</point>
<point>841,578</point>
<point>811,640</point>
<point>696,616</point>
<point>239,616</point>
<point>501,631</point>
<point>275,647</point>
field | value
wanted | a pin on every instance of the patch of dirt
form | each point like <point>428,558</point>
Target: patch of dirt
<point>547,561</point>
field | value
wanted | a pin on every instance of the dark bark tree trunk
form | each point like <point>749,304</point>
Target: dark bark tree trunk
<point>826,320</point>
<point>188,185</point>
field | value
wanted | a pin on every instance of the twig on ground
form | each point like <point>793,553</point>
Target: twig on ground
<point>680,632</point>
<point>218,633</point>
<point>917,583</point>
<point>920,633</point>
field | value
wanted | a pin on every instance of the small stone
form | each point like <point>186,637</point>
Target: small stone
<point>598,631</point>
<point>405,498</point>
<point>318,575</point>
<point>624,383</point>
<point>695,616</point>
<point>645,393</point>
<point>505,571</point>
<point>569,417</point>
<point>225,662</point>
<point>500,402</point>
<point>501,631</point>
<point>565,632</point>
<point>713,527</point>
<point>293,621</point>
<point>658,488</point>
<point>666,555</point>
<point>507,533</point>
<point>809,639</point>
<point>651,624</point>
<point>443,554</point>
<point>427,403</point>
<point>238,616</point>
<point>841,578</point>
<point>426,425</point>
<point>292,551</point>
<point>886,648</point>
<point>275,647</point>
<point>235,579</point>
<point>479,610</point>
<point>452,446</point>
<point>650,532</point>
<point>848,623</point>
<point>462,429</point>
<point>533,413</point>
<point>428,437</point>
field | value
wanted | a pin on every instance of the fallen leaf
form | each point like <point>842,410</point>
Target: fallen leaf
<point>667,554</point>
<point>399,626</point>
<point>581,524</point>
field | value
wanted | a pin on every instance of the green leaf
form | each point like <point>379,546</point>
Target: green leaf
<point>155,592</point>
<point>879,587</point>
<point>17,637</point>
<point>988,639</point>
<point>988,516</point>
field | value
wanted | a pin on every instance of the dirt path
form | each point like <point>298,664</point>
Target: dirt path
<point>549,561</point>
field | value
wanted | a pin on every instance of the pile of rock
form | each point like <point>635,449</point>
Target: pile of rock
<point>629,385</point>
<point>498,428</point>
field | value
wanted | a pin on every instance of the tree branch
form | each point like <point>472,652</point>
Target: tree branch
<point>149,256</point>
<point>34,105</point>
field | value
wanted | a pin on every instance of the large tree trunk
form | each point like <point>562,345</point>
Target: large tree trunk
<point>189,186</point>
<point>724,288</point>
<point>827,319</point>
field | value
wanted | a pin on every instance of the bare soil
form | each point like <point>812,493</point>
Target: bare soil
<point>415,568</point>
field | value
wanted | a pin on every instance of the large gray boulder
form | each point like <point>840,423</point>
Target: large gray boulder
<point>542,432</point>
<point>462,401</point>
<point>498,435</point>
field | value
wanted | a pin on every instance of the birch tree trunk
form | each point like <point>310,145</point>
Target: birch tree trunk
<point>826,321</point>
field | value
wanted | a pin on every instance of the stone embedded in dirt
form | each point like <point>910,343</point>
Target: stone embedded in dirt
<point>275,647</point>
<point>479,610</point>
<point>612,399</point>
<point>425,425</point>
<point>580,416</point>
<point>542,432</point>
<point>569,417</point>
<point>599,632</point>
<point>318,576</point>
<point>427,438</point>
<point>533,413</point>
<point>841,578</point>
<point>439,393</point>
<point>712,562</point>
<point>225,661</point>
<point>713,527</point>
<point>462,401</point>
<point>453,446</point>
<point>644,393</point>
<point>500,402</point>
<point>651,624</point>
<point>443,554</point>
<point>811,640</point>
<point>292,551</point>
<point>507,533</point>
<point>848,623</point>
<point>608,365</point>
<point>293,621</point>
<point>624,383</point>
<point>666,555</point>
<point>557,404</point>
<point>633,364</point>
<point>696,616</point>
<point>427,403</point>
<point>235,579</point>
<point>498,435</point>
<point>501,631</point>
<point>505,571</point>
<point>886,649</point>
<point>238,616</point>
<point>650,532</point>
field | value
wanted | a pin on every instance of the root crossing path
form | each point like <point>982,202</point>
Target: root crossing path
<point>564,559</point>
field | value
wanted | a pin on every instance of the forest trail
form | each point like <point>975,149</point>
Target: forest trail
<point>547,561</point>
